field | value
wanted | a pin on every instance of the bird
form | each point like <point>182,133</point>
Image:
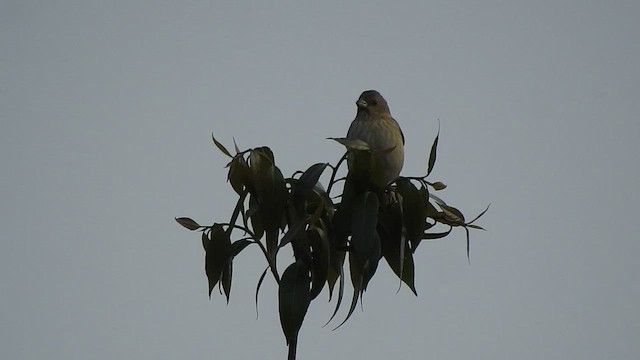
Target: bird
<point>374,125</point>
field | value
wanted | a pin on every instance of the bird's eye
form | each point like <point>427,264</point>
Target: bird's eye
<point>374,102</point>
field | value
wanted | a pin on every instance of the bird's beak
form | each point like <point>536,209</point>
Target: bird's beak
<point>361,104</point>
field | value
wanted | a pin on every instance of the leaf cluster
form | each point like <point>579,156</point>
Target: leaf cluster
<point>358,227</point>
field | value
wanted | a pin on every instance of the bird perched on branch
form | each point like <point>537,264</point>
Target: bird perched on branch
<point>375,126</point>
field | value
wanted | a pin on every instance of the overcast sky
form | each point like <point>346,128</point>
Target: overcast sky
<point>107,108</point>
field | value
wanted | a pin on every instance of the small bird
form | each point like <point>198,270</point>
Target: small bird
<point>375,126</point>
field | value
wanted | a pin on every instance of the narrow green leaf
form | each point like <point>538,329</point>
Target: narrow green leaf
<point>188,223</point>
<point>340,296</point>
<point>256,217</point>
<point>474,226</point>
<point>236,146</point>
<point>293,299</point>
<point>305,185</point>
<point>258,287</point>
<point>395,251</point>
<point>356,280</point>
<point>292,233</point>
<point>320,259</point>
<point>365,243</point>
<point>414,209</point>
<point>434,236</point>
<point>432,155</point>
<point>225,278</point>
<point>336,262</point>
<point>239,245</point>
<point>352,144</point>
<point>221,147</point>
<point>478,217</point>
<point>453,216</point>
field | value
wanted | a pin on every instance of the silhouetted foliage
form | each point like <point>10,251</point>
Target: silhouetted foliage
<point>363,224</point>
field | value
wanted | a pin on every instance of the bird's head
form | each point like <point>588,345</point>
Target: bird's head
<point>372,103</point>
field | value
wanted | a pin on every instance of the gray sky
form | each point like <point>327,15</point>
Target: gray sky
<point>107,108</point>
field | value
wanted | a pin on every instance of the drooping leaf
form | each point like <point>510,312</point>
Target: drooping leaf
<point>357,282</point>
<point>340,294</point>
<point>225,278</point>
<point>271,192</point>
<point>336,263</point>
<point>254,213</point>
<point>423,194</point>
<point>293,299</point>
<point>217,253</point>
<point>320,260</point>
<point>395,251</point>
<point>239,175</point>
<point>188,223</point>
<point>258,287</point>
<point>414,209</point>
<point>221,147</point>
<point>365,243</point>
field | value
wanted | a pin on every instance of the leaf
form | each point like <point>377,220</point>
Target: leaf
<point>258,287</point>
<point>414,209</point>
<point>305,185</point>
<point>320,260</point>
<point>293,299</point>
<point>478,217</point>
<point>217,254</point>
<point>226,278</point>
<point>352,144</point>
<point>453,216</point>
<point>188,223</point>
<point>336,263</point>
<point>396,252</point>
<point>239,245</point>
<point>356,280</point>
<point>365,243</point>
<point>437,186</point>
<point>221,147</point>
<point>256,217</point>
<point>432,155</point>
<point>236,146</point>
<point>293,231</point>
<point>239,175</point>
<point>434,236</point>
<point>340,293</point>
<point>271,192</point>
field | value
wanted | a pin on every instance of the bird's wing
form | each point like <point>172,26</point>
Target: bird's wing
<point>399,128</point>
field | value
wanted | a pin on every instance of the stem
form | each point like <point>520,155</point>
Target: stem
<point>236,212</point>
<point>293,344</point>
<point>274,271</point>
<point>239,227</point>
<point>335,171</point>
